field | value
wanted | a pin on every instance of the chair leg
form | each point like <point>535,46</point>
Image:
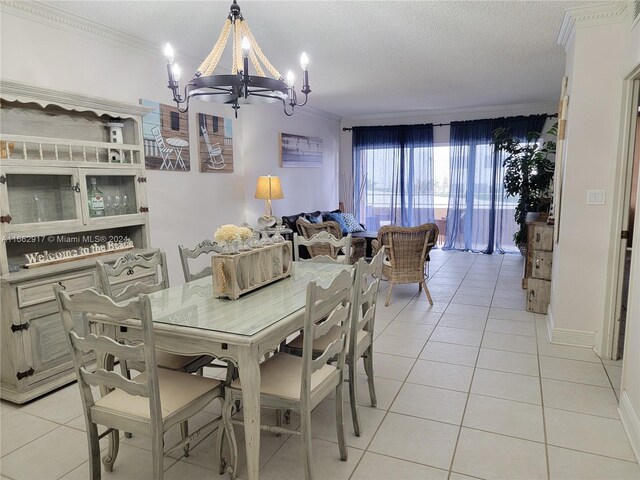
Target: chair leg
<point>386,303</point>
<point>157,453</point>
<point>305,430</point>
<point>112,453</point>
<point>420,287</point>
<point>428,294</point>
<point>279,415</point>
<point>94,452</point>
<point>184,430</point>
<point>353,397</point>
<point>342,442</point>
<point>229,465</point>
<point>368,368</point>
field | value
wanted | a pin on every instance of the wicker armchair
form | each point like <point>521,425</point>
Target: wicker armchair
<point>307,230</point>
<point>407,250</point>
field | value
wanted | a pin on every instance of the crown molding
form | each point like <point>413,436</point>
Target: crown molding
<point>437,116</point>
<point>317,113</point>
<point>46,14</point>
<point>599,14</point>
<point>12,91</point>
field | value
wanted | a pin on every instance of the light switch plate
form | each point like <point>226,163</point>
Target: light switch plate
<point>596,197</point>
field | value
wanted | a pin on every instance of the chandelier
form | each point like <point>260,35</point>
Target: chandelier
<point>239,87</point>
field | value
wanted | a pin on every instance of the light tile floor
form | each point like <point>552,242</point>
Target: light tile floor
<point>468,388</point>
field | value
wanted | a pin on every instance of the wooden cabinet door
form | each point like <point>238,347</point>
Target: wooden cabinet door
<point>45,344</point>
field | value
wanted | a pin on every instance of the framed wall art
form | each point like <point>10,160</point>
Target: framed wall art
<point>165,133</point>
<point>300,151</point>
<point>215,144</point>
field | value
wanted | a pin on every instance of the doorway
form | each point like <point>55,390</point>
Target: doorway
<point>628,216</point>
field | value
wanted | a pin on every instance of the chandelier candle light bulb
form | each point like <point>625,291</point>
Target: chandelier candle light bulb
<point>290,79</point>
<point>168,53</point>
<point>175,69</point>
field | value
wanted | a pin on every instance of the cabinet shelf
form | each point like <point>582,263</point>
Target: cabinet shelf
<point>29,148</point>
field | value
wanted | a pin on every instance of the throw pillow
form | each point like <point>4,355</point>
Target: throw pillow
<point>314,218</point>
<point>352,224</point>
<point>339,219</point>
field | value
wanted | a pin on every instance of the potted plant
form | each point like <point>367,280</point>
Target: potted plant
<point>528,174</point>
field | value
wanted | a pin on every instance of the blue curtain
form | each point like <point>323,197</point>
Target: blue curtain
<point>393,175</point>
<point>480,215</point>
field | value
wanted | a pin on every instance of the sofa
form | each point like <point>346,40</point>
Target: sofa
<point>358,245</point>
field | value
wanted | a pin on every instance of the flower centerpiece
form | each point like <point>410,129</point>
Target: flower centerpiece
<point>226,234</point>
<point>244,234</point>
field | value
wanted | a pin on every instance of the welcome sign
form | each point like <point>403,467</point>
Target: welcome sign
<point>37,259</point>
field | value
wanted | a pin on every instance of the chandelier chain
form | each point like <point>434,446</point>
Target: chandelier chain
<point>260,54</point>
<point>211,62</point>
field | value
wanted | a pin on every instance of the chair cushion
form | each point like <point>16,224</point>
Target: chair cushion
<point>320,344</point>
<point>281,376</point>
<point>177,390</point>
<point>352,224</point>
<point>339,219</point>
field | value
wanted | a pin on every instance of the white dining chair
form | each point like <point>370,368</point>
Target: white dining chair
<point>153,268</point>
<point>205,247</point>
<point>150,403</point>
<point>326,240</point>
<point>360,343</point>
<point>301,383</point>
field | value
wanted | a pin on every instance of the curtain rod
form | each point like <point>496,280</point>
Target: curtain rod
<point>348,129</point>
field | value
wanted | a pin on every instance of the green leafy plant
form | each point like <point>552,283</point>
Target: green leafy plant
<point>528,173</point>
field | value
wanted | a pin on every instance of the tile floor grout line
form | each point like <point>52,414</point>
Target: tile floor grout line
<point>466,404</point>
<point>544,418</point>
<point>398,392</point>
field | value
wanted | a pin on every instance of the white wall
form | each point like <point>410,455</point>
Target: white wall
<point>440,134</point>
<point>184,207</point>
<point>602,52</point>
<point>305,189</point>
<point>630,393</point>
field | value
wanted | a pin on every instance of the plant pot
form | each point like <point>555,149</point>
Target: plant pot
<point>523,250</point>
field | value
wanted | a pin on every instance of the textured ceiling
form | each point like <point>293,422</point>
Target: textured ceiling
<point>375,57</point>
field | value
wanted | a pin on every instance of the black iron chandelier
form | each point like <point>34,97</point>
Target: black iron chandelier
<point>237,88</point>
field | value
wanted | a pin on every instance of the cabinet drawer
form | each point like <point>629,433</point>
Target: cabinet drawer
<point>538,295</point>
<point>542,238</point>
<point>542,262</point>
<point>41,291</point>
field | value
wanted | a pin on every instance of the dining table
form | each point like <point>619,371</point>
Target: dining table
<point>189,320</point>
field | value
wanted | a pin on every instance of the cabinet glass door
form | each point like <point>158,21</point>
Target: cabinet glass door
<point>111,195</point>
<point>40,198</point>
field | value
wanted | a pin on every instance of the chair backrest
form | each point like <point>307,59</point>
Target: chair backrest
<point>323,241</point>
<point>333,304</point>
<point>104,311</point>
<point>407,247</point>
<point>365,297</point>
<point>128,264</point>
<point>205,247</point>
<point>157,136</point>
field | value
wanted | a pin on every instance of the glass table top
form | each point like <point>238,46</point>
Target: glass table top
<point>193,305</point>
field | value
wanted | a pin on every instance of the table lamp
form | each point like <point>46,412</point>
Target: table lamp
<point>267,189</point>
